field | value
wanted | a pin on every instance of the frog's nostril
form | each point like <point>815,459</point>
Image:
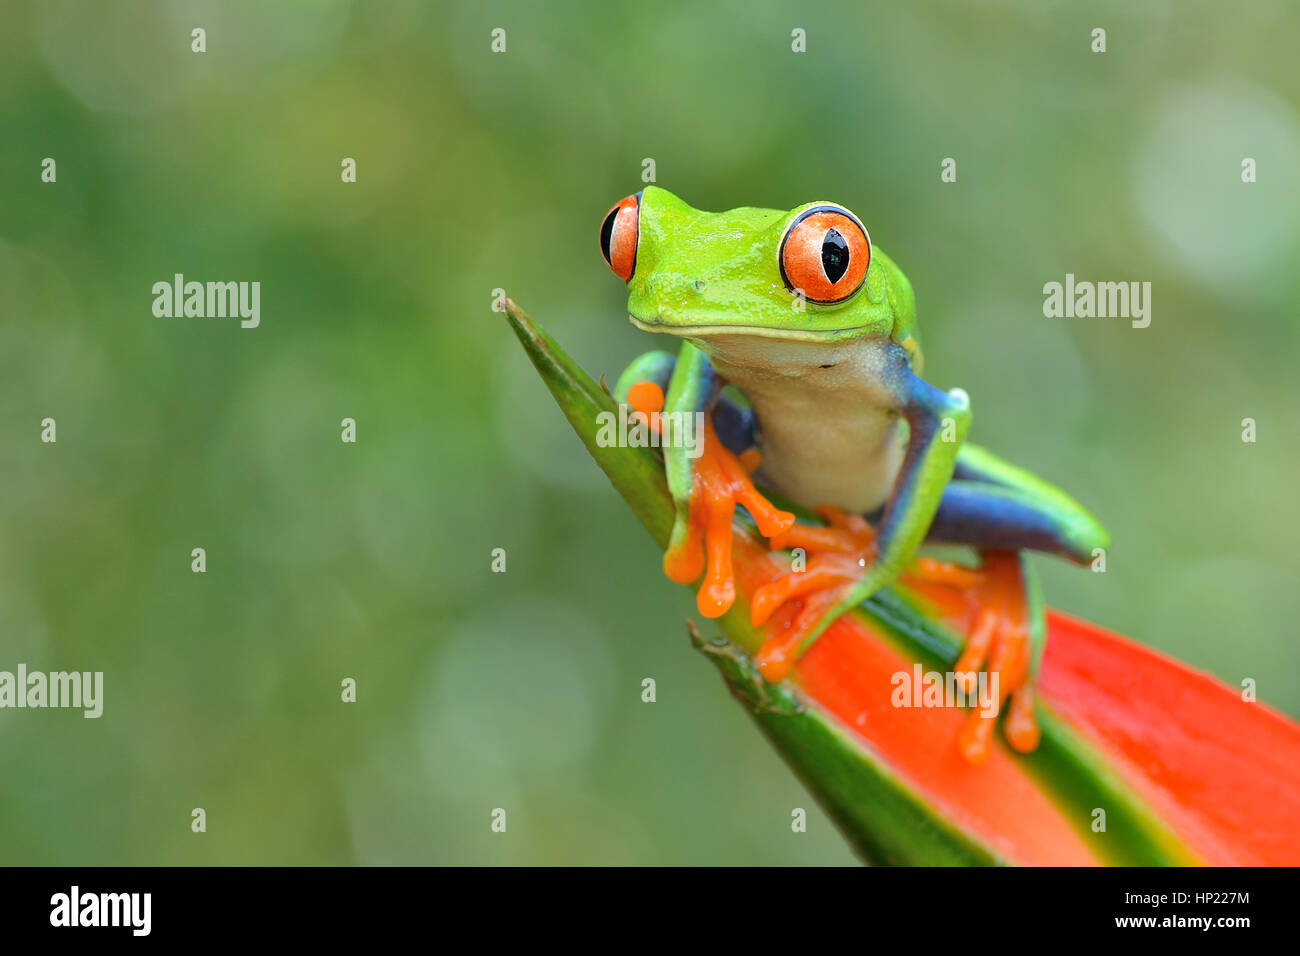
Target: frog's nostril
<point>699,285</point>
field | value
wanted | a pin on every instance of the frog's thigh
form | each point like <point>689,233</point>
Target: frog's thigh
<point>985,515</point>
<point>733,422</point>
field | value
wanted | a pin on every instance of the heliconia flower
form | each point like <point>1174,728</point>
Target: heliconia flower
<point>1142,760</point>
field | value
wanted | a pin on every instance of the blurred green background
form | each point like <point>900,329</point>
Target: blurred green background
<point>479,170</point>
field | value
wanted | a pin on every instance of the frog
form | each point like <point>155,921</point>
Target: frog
<point>799,345</point>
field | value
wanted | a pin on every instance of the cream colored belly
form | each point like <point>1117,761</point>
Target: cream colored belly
<point>847,461</point>
<point>827,435</point>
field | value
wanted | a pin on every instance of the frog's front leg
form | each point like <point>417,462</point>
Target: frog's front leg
<point>705,479</point>
<point>937,423</point>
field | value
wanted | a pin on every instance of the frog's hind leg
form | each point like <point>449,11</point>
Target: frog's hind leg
<point>999,608</point>
<point>991,503</point>
<point>1003,512</point>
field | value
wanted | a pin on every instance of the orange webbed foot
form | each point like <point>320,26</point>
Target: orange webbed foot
<point>789,629</point>
<point>720,481</point>
<point>841,552</point>
<point>997,644</point>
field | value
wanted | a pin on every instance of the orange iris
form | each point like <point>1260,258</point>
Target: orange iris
<point>825,254</point>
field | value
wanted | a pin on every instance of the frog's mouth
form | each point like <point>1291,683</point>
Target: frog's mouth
<point>657,324</point>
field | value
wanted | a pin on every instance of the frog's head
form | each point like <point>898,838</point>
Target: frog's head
<point>809,274</point>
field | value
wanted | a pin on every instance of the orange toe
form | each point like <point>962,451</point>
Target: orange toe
<point>1020,728</point>
<point>845,533</point>
<point>975,739</point>
<point>684,561</point>
<point>646,398</point>
<point>777,655</point>
<point>977,649</point>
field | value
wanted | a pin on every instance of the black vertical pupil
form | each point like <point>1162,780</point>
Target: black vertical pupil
<point>835,256</point>
<point>607,232</point>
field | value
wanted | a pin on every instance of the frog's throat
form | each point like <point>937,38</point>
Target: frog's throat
<point>710,331</point>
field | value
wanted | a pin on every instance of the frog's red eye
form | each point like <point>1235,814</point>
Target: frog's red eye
<point>825,253</point>
<point>618,235</point>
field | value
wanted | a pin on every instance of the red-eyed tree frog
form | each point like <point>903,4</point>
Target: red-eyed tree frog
<point>815,330</point>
